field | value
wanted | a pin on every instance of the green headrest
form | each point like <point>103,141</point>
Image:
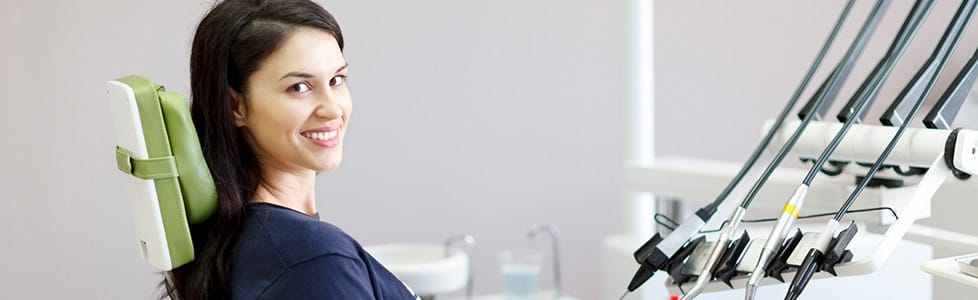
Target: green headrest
<point>183,183</point>
<point>196,184</point>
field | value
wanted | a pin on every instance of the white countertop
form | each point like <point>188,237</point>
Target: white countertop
<point>948,268</point>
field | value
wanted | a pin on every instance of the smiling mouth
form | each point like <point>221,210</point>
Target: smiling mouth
<point>322,135</point>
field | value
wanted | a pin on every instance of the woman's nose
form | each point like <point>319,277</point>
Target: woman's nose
<point>329,110</point>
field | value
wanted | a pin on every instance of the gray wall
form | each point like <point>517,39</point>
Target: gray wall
<point>479,117</point>
<point>483,117</point>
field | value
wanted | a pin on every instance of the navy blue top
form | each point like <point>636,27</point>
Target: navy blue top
<point>285,254</point>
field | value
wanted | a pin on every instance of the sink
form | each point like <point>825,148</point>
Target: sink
<point>424,267</point>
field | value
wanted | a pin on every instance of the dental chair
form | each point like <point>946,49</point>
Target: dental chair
<point>169,185</point>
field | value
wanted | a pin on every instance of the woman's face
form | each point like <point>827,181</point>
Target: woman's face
<point>297,106</point>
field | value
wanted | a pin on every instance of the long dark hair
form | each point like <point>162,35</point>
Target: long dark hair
<point>229,45</point>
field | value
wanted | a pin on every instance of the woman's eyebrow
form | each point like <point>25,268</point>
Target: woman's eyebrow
<point>307,75</point>
<point>297,74</point>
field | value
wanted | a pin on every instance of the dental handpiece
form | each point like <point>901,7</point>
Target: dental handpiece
<point>788,215</point>
<point>656,253</point>
<point>813,259</point>
<point>855,49</point>
<point>862,99</point>
<point>723,242</point>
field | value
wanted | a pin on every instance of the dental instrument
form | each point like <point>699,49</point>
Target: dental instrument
<point>656,253</point>
<point>815,258</point>
<point>911,23</point>
<point>733,222</point>
<point>946,109</point>
<point>860,101</point>
<point>894,115</point>
<point>847,110</point>
<point>823,91</point>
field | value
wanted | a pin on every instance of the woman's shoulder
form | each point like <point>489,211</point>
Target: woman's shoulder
<point>295,237</point>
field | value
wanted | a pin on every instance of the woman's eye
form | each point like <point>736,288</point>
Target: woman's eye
<point>337,80</point>
<point>300,87</point>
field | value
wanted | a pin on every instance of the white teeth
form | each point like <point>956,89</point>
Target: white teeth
<point>321,135</point>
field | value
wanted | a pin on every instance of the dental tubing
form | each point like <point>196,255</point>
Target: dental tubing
<point>855,49</point>
<point>816,255</point>
<point>865,96</point>
<point>654,254</point>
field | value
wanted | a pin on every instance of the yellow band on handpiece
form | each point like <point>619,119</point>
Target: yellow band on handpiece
<point>791,209</point>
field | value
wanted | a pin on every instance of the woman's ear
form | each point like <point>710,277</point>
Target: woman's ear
<point>237,105</point>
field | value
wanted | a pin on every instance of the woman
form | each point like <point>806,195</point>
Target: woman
<point>271,109</point>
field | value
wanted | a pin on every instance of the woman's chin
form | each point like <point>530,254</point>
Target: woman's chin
<point>327,164</point>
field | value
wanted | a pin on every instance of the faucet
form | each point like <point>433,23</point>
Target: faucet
<point>552,230</point>
<point>470,243</point>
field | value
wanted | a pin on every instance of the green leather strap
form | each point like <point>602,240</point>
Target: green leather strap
<point>153,168</point>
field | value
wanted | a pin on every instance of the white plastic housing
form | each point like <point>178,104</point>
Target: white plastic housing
<point>864,143</point>
<point>965,151</point>
<point>143,201</point>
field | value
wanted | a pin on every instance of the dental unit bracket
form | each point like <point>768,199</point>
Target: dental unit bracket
<point>911,202</point>
<point>920,196</point>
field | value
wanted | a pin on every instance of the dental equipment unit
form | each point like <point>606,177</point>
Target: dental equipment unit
<point>931,153</point>
<point>865,95</point>
<point>658,252</point>
<point>920,87</point>
<point>727,228</point>
<point>947,107</point>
